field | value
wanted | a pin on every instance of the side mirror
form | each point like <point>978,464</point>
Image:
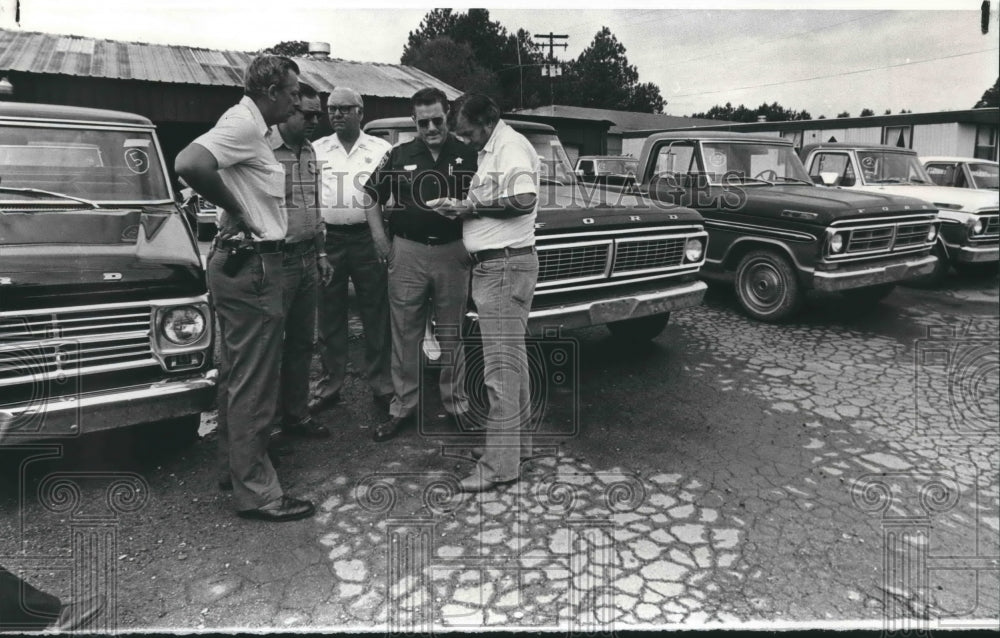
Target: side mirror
<point>829,177</point>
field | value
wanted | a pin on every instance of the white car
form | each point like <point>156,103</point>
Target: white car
<point>963,172</point>
<point>970,223</point>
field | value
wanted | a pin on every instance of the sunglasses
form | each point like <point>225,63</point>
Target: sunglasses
<point>340,108</point>
<point>424,123</point>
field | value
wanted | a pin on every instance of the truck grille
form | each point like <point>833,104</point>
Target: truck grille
<point>573,262</point>
<point>991,230</point>
<point>41,346</point>
<point>906,235</point>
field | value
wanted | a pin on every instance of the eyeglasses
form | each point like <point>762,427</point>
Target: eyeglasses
<point>424,123</point>
<point>312,115</point>
<point>341,108</point>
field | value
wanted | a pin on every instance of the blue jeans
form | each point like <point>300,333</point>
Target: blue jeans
<point>502,290</point>
<point>300,291</point>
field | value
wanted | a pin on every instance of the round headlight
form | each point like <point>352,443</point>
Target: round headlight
<point>977,227</point>
<point>693,249</point>
<point>932,234</point>
<point>183,325</point>
<point>837,243</point>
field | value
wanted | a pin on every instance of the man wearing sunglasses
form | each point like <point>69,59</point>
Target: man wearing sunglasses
<point>304,263</point>
<point>347,160</point>
<point>428,264</point>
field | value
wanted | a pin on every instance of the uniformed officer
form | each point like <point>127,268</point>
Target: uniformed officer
<point>428,264</point>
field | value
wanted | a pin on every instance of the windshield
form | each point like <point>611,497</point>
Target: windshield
<point>751,161</point>
<point>879,167</point>
<point>617,167</point>
<point>97,165</point>
<point>985,175</point>
<point>553,162</point>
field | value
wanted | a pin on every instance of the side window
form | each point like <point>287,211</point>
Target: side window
<point>587,166</point>
<point>942,174</point>
<point>838,163</point>
<point>675,158</point>
<point>960,180</point>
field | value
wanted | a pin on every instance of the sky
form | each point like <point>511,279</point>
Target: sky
<point>828,58</point>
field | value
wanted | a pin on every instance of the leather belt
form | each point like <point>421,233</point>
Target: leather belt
<point>300,247</point>
<point>347,228</point>
<point>428,240</point>
<point>262,247</point>
<point>497,253</point>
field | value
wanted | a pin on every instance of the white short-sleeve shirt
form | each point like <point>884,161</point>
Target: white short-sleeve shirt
<point>248,168</point>
<point>508,166</point>
<point>344,175</point>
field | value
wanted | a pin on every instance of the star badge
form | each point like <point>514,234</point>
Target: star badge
<point>458,160</point>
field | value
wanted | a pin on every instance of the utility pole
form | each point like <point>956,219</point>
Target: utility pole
<point>552,69</point>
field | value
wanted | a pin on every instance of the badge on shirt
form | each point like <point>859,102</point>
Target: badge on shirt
<point>458,160</point>
<point>410,167</point>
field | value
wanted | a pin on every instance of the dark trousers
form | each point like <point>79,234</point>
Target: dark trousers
<point>248,307</point>
<point>24,608</point>
<point>300,290</point>
<point>352,256</point>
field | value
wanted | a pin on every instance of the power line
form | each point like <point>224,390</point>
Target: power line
<point>834,75</point>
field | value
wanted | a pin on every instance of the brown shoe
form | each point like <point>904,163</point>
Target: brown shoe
<point>284,509</point>
<point>389,429</point>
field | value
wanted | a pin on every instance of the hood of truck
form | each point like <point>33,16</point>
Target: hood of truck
<point>588,206</point>
<point>941,197</point>
<point>60,257</point>
<point>819,204</point>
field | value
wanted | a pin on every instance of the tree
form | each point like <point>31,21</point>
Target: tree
<point>290,48</point>
<point>888,112</point>
<point>991,97</point>
<point>867,112</point>
<point>844,114</point>
<point>454,63</point>
<point>601,77</point>
<point>773,112</point>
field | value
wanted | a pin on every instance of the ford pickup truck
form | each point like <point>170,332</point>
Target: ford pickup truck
<point>774,233</point>
<point>604,257</point>
<point>104,313</point>
<point>970,224</point>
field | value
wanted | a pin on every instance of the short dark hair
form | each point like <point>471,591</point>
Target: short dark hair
<point>265,70</point>
<point>429,95</point>
<point>477,108</point>
<point>307,91</point>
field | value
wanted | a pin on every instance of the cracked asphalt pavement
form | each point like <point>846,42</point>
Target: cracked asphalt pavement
<point>841,467</point>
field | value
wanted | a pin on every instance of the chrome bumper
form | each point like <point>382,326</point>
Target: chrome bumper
<point>602,311</point>
<point>862,276</point>
<point>71,416</point>
<point>975,254</point>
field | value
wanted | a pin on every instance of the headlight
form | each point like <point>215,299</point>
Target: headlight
<point>836,243</point>
<point>693,249</point>
<point>183,325</point>
<point>977,227</point>
<point>932,234</point>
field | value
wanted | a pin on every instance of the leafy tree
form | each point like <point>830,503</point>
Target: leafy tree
<point>601,77</point>
<point>888,112</point>
<point>290,48</point>
<point>821,117</point>
<point>867,112</point>
<point>844,114</point>
<point>773,112</point>
<point>454,63</point>
<point>991,97</point>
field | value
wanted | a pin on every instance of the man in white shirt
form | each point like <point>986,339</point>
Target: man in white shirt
<point>347,159</point>
<point>499,233</point>
<point>234,166</point>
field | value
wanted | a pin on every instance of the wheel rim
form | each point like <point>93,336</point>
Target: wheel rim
<point>763,286</point>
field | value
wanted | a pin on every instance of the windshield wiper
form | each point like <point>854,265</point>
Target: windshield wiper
<point>794,179</point>
<point>890,180</point>
<point>40,193</point>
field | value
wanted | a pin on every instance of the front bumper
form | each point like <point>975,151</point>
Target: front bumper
<point>608,310</point>
<point>872,275</point>
<point>109,409</point>
<point>974,254</point>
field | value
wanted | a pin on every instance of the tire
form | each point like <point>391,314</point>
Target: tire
<point>766,286</point>
<point>639,330</point>
<point>871,295</point>
<point>936,277</point>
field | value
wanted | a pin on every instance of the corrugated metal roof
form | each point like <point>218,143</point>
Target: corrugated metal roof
<point>49,53</point>
<point>624,120</point>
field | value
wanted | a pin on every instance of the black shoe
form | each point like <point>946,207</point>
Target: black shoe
<point>75,615</point>
<point>320,403</point>
<point>284,509</point>
<point>389,429</point>
<point>306,428</point>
